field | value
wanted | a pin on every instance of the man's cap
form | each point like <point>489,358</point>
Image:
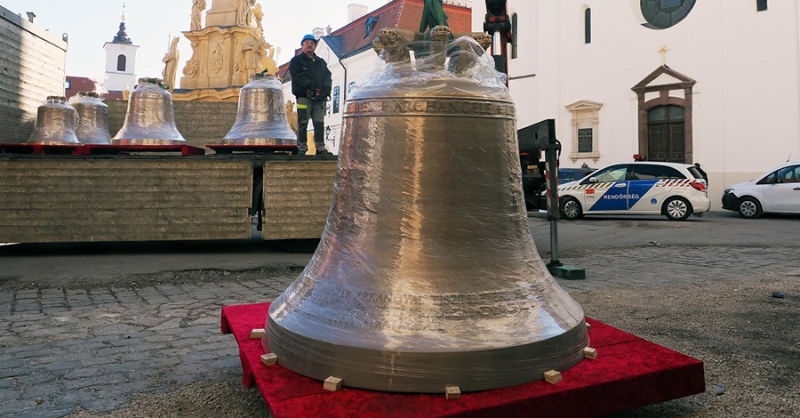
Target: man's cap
<point>309,37</point>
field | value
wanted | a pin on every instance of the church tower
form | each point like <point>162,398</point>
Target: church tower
<point>120,61</point>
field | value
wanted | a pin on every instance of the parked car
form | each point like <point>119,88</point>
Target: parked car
<point>566,175</point>
<point>776,191</point>
<point>642,188</point>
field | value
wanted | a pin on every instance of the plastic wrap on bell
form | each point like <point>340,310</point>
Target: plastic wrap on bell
<point>150,119</point>
<point>261,116</point>
<point>426,274</point>
<point>93,125</point>
<point>55,123</point>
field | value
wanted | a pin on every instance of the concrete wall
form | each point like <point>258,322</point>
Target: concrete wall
<point>201,123</point>
<point>32,62</point>
<point>297,198</point>
<point>69,199</point>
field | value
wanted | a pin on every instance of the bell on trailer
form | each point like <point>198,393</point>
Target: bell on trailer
<point>261,116</point>
<point>93,125</point>
<point>150,119</point>
<point>55,123</point>
<point>426,275</point>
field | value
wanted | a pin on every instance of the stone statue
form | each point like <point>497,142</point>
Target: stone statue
<point>258,14</point>
<point>252,48</point>
<point>244,12</point>
<point>170,61</point>
<point>198,6</point>
<point>291,115</point>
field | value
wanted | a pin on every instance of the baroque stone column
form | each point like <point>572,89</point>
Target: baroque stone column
<point>225,52</point>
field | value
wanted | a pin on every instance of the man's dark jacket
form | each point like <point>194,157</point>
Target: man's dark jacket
<point>309,74</point>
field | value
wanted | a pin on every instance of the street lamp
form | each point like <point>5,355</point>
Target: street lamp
<point>328,134</point>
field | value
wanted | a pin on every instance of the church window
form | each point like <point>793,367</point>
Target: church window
<point>369,25</point>
<point>585,130</point>
<point>761,5</point>
<point>121,62</point>
<point>514,36</point>
<point>662,14</point>
<point>587,26</point>
<point>336,99</point>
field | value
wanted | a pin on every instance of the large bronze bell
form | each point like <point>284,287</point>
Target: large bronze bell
<point>93,125</point>
<point>55,123</point>
<point>150,119</point>
<point>261,116</point>
<point>426,275</point>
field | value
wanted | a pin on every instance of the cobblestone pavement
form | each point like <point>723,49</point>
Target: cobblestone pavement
<point>150,338</point>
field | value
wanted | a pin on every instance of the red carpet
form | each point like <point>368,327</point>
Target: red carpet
<point>628,373</point>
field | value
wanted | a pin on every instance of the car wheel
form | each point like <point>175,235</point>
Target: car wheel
<point>749,208</point>
<point>571,209</point>
<point>677,209</point>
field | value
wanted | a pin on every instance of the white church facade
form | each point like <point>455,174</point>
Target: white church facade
<point>715,82</point>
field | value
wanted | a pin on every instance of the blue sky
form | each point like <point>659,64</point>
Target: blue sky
<point>91,23</point>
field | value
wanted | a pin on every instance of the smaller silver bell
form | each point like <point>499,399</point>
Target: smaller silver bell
<point>150,119</point>
<point>55,123</point>
<point>261,116</point>
<point>93,125</point>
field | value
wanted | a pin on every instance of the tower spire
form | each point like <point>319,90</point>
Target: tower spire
<point>122,34</point>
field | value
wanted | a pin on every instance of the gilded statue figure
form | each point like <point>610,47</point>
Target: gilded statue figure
<point>198,6</point>
<point>170,61</point>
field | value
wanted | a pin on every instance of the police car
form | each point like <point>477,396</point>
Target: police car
<point>637,188</point>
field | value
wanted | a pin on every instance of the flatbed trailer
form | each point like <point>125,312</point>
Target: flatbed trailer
<point>146,197</point>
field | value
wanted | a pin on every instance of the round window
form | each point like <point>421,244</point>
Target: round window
<point>662,14</point>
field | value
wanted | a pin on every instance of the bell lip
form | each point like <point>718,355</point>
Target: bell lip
<point>426,372</point>
<point>147,141</point>
<point>258,141</point>
<point>46,142</point>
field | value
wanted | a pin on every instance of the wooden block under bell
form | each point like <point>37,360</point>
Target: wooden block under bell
<point>332,384</point>
<point>256,333</point>
<point>589,353</point>
<point>452,393</point>
<point>552,376</point>
<point>269,359</point>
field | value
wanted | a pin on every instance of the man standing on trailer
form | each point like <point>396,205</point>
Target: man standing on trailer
<point>311,84</point>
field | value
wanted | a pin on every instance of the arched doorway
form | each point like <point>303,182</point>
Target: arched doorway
<point>665,116</point>
<point>666,134</point>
